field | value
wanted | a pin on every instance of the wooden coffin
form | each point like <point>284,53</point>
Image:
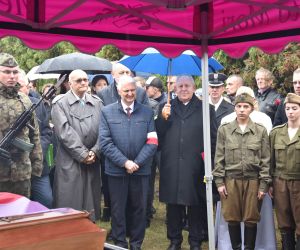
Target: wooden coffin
<point>51,230</point>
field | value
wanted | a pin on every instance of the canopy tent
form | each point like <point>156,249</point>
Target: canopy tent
<point>170,26</point>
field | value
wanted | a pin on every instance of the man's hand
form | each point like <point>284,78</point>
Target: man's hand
<point>271,192</point>
<point>261,195</point>
<point>166,111</point>
<point>131,166</point>
<point>223,192</point>
<point>90,159</point>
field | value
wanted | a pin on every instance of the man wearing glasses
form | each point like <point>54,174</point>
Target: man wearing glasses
<point>280,116</point>
<point>15,174</point>
<point>76,116</point>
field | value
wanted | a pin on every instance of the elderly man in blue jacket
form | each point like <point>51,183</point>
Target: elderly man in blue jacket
<point>128,141</point>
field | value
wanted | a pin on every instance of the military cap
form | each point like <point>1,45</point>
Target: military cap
<point>7,60</point>
<point>244,98</point>
<point>216,79</point>
<point>292,98</point>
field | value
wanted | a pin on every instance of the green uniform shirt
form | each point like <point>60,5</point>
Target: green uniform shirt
<point>285,153</point>
<point>242,155</point>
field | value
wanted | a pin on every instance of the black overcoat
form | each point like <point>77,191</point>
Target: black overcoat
<point>181,142</point>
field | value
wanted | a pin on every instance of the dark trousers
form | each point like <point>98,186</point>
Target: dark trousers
<point>128,193</point>
<point>174,224</point>
<point>104,188</point>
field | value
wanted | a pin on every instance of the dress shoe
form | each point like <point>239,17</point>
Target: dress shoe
<point>174,247</point>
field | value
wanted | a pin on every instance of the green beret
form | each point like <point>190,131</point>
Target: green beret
<point>292,98</point>
<point>7,60</point>
<point>244,98</point>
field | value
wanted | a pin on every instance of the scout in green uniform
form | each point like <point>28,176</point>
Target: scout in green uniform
<point>242,162</point>
<point>285,170</point>
<point>15,177</point>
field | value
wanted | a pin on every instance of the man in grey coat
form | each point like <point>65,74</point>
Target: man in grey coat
<point>76,117</point>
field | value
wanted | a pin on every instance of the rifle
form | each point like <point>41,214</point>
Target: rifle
<point>10,138</point>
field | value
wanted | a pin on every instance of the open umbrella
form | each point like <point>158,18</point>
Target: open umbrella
<point>68,62</point>
<point>32,75</point>
<point>150,60</point>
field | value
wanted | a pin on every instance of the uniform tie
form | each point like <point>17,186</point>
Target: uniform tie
<point>82,103</point>
<point>128,111</point>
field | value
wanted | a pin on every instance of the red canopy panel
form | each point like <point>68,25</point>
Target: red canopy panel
<point>232,26</point>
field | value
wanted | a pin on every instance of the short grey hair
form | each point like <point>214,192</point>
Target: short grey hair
<point>238,77</point>
<point>124,80</point>
<point>185,78</point>
<point>75,72</point>
<point>268,74</point>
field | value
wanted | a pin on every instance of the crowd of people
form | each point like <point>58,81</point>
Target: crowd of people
<point>114,138</point>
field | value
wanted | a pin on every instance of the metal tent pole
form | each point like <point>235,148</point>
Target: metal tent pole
<point>206,131</point>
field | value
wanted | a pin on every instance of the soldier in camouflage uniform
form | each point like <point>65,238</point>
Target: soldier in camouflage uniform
<point>285,170</point>
<point>242,163</point>
<point>15,177</point>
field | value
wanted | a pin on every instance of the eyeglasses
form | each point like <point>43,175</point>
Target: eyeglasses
<point>8,72</point>
<point>296,82</point>
<point>79,80</point>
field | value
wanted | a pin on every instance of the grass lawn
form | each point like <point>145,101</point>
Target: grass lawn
<point>156,235</point>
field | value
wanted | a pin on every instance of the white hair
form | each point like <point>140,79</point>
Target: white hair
<point>185,78</point>
<point>124,80</point>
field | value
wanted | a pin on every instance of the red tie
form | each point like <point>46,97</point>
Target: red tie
<point>128,112</point>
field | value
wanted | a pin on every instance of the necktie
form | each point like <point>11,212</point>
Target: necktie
<point>128,112</point>
<point>82,103</point>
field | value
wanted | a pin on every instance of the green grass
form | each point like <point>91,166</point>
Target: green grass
<point>156,235</point>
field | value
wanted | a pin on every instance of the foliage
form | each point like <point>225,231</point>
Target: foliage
<point>282,64</point>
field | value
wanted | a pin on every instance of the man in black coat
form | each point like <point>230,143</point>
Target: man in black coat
<point>180,132</point>
<point>216,90</point>
<point>280,116</point>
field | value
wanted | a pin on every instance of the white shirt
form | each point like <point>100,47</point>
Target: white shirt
<point>217,104</point>
<point>131,106</point>
<point>255,116</point>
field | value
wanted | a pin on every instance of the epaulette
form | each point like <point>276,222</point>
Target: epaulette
<point>96,97</point>
<point>278,126</point>
<point>57,98</point>
<point>224,124</point>
<point>259,124</point>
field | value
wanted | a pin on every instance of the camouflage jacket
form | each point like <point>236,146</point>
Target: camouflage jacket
<point>25,164</point>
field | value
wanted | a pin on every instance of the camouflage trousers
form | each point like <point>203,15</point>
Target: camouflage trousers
<point>18,187</point>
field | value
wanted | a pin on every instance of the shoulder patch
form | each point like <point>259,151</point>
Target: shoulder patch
<point>57,98</point>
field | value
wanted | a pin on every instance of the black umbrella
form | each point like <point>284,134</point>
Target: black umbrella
<point>68,62</point>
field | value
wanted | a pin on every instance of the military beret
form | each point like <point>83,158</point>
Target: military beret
<point>244,98</point>
<point>7,60</point>
<point>292,98</point>
<point>216,79</point>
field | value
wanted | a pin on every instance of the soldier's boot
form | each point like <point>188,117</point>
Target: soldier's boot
<point>235,236</point>
<point>250,236</point>
<point>288,240</point>
<point>298,243</point>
